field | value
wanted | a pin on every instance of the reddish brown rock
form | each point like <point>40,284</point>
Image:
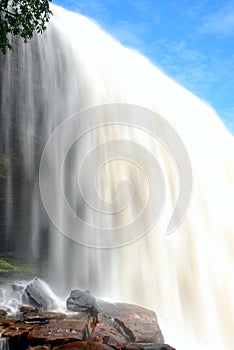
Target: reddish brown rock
<point>84,345</point>
<point>14,332</point>
<point>42,317</point>
<point>27,309</point>
<point>57,331</point>
<point>3,312</point>
<point>108,331</point>
<point>144,346</point>
<point>43,347</point>
<point>119,327</point>
<point>139,324</point>
<point>17,335</point>
<point>7,321</point>
<point>16,329</point>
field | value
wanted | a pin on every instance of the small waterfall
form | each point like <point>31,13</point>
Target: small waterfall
<point>121,135</point>
<point>4,343</point>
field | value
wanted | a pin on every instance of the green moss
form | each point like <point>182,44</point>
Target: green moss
<point>5,266</point>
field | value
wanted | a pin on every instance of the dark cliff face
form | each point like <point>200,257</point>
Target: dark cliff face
<point>31,81</point>
<point>21,144</point>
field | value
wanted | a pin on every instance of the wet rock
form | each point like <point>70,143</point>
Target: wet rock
<point>55,333</point>
<point>109,332</point>
<point>144,346</point>
<point>36,294</point>
<point>28,309</point>
<point>15,332</point>
<point>81,301</point>
<point>3,312</point>
<point>17,335</point>
<point>8,320</point>
<point>43,347</point>
<point>17,287</point>
<point>41,317</point>
<point>101,326</point>
<point>106,308</point>
<point>60,331</point>
<point>84,345</point>
<point>139,324</point>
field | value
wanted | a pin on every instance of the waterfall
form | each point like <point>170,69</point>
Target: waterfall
<point>4,344</point>
<point>141,138</point>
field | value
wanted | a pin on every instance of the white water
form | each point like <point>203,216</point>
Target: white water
<point>188,276</point>
<point>4,344</point>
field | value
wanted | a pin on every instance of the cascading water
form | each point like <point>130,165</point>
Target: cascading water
<point>187,276</point>
<point>4,344</point>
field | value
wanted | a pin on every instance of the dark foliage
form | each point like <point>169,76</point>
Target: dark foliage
<point>22,18</point>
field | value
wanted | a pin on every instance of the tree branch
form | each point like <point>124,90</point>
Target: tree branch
<point>7,11</point>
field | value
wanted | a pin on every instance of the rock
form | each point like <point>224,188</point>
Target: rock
<point>55,334</point>
<point>166,347</point>
<point>17,335</point>
<point>37,294</point>
<point>108,331</point>
<point>59,331</point>
<point>41,317</point>
<point>27,309</point>
<point>3,312</point>
<point>101,326</point>
<point>139,324</point>
<point>84,345</point>
<point>81,301</point>
<point>106,308</point>
<point>17,287</point>
<point>43,347</point>
<point>143,346</point>
<point>15,332</point>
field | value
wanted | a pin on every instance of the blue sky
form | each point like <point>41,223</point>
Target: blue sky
<point>191,41</point>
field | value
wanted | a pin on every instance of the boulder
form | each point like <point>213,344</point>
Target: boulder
<point>106,308</point>
<point>81,301</point>
<point>37,294</point>
<point>17,287</point>
<point>3,312</point>
<point>139,323</point>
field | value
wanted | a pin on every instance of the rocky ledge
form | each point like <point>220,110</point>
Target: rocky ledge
<point>88,324</point>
